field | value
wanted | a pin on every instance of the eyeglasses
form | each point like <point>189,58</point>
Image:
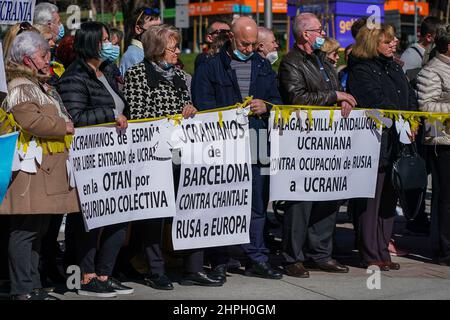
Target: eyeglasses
<point>174,49</point>
<point>148,12</point>
<point>319,30</point>
<point>219,31</point>
<point>24,26</point>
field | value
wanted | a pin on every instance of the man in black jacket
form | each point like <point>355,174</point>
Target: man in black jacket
<point>306,79</point>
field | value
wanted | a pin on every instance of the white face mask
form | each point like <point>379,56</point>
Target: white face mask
<point>272,57</point>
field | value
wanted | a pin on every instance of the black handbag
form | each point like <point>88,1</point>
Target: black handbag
<point>409,178</point>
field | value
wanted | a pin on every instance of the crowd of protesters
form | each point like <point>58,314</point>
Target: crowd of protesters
<point>57,82</point>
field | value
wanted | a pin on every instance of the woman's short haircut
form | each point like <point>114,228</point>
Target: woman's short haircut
<point>368,40</point>
<point>117,32</point>
<point>88,40</point>
<point>442,39</point>
<point>27,44</point>
<point>156,39</point>
<point>330,45</point>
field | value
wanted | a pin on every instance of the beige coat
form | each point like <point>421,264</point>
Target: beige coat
<point>48,190</point>
<point>433,83</point>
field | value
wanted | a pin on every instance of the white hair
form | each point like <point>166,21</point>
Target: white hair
<point>27,44</point>
<point>302,23</point>
<point>43,13</point>
<point>263,33</point>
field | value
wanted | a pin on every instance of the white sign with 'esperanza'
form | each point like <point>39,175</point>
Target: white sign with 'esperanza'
<point>215,190</point>
<point>120,176</point>
<point>322,158</point>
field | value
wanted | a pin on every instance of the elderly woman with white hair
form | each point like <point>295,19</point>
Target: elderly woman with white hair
<point>40,188</point>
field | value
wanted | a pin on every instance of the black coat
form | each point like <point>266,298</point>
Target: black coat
<point>380,83</point>
<point>85,97</point>
<point>302,83</point>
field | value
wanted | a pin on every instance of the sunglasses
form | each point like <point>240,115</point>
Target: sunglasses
<point>220,31</point>
<point>24,26</point>
<point>148,12</point>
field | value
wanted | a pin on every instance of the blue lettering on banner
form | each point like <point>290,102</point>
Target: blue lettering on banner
<point>15,11</point>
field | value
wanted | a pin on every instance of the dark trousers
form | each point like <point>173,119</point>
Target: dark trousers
<point>152,240</point>
<point>443,168</point>
<point>4,239</point>
<point>256,250</point>
<point>50,243</point>
<point>308,231</point>
<point>376,222</point>
<point>102,260</point>
<point>25,240</point>
<point>152,234</point>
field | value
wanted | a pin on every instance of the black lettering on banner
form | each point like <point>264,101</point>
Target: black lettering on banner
<point>328,184</point>
<point>217,199</point>
<point>212,131</point>
<point>140,135</point>
<point>228,225</point>
<point>117,180</point>
<point>124,203</point>
<point>324,143</point>
<point>93,141</point>
<point>352,124</point>
<point>109,159</point>
<point>362,162</point>
<point>214,175</point>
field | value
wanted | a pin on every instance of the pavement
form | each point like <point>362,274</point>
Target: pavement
<point>418,278</point>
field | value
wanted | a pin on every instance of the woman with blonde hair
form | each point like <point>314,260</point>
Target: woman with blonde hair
<point>331,50</point>
<point>377,81</point>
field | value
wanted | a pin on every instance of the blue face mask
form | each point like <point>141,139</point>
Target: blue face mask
<point>238,54</point>
<point>61,32</point>
<point>318,43</point>
<point>109,52</point>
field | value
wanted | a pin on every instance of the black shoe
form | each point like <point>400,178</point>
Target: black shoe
<point>296,270</point>
<point>24,297</point>
<point>42,294</point>
<point>199,279</point>
<point>118,287</point>
<point>329,266</point>
<point>97,288</point>
<point>36,295</point>
<point>219,273</point>
<point>263,270</point>
<point>159,281</point>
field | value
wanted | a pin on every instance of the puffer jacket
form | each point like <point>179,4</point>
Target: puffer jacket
<point>301,82</point>
<point>85,97</point>
<point>433,83</point>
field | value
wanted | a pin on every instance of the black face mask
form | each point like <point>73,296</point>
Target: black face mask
<point>38,70</point>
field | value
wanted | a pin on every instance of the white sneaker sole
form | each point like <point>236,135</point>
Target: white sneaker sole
<point>97,294</point>
<point>129,291</point>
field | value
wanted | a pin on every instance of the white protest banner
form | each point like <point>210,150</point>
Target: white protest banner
<point>311,160</point>
<point>120,176</point>
<point>215,190</point>
<point>16,11</point>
